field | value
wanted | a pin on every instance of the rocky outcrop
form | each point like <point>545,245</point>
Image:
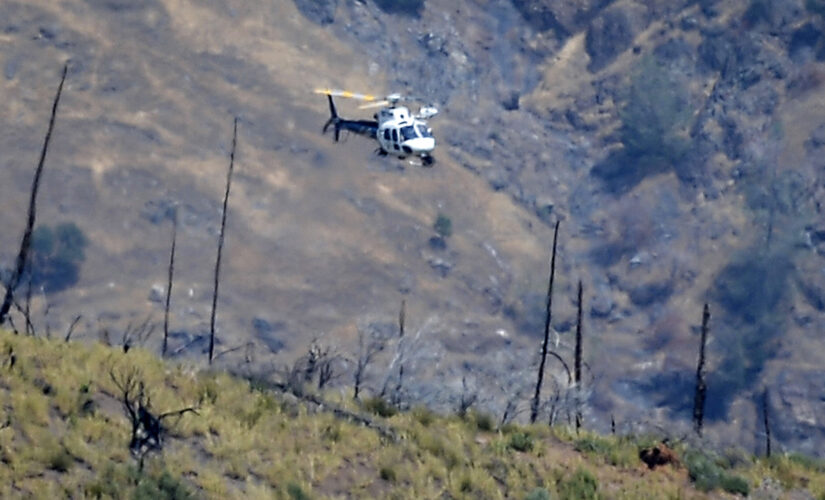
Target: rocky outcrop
<point>562,17</point>
<point>318,11</point>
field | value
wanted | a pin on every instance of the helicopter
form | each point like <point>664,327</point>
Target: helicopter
<point>398,132</point>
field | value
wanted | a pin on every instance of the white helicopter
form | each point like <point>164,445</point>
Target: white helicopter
<point>397,131</point>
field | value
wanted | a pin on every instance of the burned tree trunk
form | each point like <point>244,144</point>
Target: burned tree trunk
<point>577,368</point>
<point>220,242</point>
<point>396,395</point>
<point>766,417</point>
<point>169,283</point>
<point>701,386</point>
<point>534,408</point>
<point>22,256</point>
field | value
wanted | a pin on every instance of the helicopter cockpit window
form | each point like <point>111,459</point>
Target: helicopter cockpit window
<point>394,135</point>
<point>387,134</point>
<point>423,130</point>
<point>408,133</point>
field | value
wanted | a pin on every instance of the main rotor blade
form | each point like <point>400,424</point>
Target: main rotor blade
<point>376,104</point>
<point>347,94</point>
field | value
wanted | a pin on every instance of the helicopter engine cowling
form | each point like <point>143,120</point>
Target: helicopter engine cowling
<point>426,112</point>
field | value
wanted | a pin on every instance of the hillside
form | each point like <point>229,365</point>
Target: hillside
<point>679,143</point>
<point>64,433</point>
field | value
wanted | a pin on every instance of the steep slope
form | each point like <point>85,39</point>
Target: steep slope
<point>245,441</point>
<point>678,142</point>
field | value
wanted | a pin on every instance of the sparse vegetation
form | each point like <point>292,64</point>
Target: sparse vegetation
<point>582,485</point>
<point>249,442</point>
<point>654,121</point>
<point>443,225</point>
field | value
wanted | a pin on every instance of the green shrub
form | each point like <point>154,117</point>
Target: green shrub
<point>466,485</point>
<point>582,485</point>
<point>424,415</point>
<point>163,486</point>
<point>61,460</point>
<point>538,494</point>
<point>520,441</point>
<point>380,407</point>
<point>707,475</point>
<point>615,451</point>
<point>654,127</point>
<point>443,225</point>
<point>295,492</point>
<point>735,484</point>
<point>388,474</point>
<point>482,421</point>
<point>56,255</point>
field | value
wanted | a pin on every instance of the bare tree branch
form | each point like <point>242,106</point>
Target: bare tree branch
<point>71,327</point>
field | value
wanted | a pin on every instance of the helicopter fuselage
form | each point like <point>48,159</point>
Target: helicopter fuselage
<point>398,132</point>
<point>401,134</point>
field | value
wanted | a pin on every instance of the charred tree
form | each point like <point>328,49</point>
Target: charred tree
<point>396,395</point>
<point>147,430</point>
<point>701,385</point>
<point>368,348</point>
<point>220,242</point>
<point>23,254</point>
<point>766,419</point>
<point>169,282</point>
<point>545,346</point>
<point>577,367</point>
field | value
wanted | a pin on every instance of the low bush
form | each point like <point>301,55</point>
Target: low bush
<point>708,475</point>
<point>380,407</point>
<point>520,441</point>
<point>582,485</point>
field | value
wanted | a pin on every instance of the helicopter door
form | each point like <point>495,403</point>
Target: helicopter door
<point>395,139</point>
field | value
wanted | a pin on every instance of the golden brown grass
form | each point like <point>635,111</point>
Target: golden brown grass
<point>64,435</point>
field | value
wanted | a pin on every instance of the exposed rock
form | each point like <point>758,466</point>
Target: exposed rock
<point>157,293</point>
<point>608,35</point>
<point>804,42</point>
<point>404,7</point>
<point>318,11</point>
<point>649,293</point>
<point>440,266</point>
<point>601,304</point>
<point>564,17</point>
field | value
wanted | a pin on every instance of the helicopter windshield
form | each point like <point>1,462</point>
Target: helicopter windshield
<point>423,130</point>
<point>408,133</point>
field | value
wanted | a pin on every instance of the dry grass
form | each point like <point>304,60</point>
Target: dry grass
<point>63,434</point>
